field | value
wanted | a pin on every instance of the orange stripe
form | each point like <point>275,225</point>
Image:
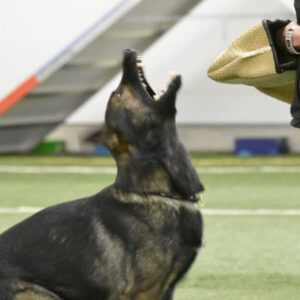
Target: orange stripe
<point>22,90</point>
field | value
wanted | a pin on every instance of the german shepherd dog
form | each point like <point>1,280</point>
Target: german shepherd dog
<point>135,239</point>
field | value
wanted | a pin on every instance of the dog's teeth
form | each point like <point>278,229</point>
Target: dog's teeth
<point>161,92</point>
<point>156,97</point>
<point>140,65</point>
<point>144,85</point>
<point>173,74</point>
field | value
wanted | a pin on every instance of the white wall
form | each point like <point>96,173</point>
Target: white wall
<point>189,48</point>
<point>33,31</point>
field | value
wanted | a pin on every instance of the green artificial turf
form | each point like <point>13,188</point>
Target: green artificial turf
<point>47,189</point>
<point>244,257</point>
<point>198,160</point>
<point>222,190</point>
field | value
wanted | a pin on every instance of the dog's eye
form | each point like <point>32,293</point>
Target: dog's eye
<point>117,94</point>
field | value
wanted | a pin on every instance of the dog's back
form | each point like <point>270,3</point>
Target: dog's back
<point>113,243</point>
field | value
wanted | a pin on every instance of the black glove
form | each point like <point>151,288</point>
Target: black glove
<point>282,58</point>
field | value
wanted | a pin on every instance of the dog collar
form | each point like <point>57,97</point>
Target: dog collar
<point>196,199</point>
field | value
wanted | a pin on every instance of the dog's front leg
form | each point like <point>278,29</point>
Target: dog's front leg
<point>27,291</point>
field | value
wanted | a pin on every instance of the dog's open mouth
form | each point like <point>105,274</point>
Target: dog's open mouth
<point>151,130</point>
<point>154,95</point>
<point>134,65</point>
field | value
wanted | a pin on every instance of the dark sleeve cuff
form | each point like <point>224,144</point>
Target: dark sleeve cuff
<point>283,60</point>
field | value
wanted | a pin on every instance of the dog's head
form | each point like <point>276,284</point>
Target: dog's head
<point>140,125</point>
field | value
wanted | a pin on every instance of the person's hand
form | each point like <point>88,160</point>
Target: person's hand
<point>296,34</point>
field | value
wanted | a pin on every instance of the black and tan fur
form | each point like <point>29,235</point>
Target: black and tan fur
<point>135,239</point>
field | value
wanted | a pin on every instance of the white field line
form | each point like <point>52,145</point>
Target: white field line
<point>250,212</point>
<point>245,170</point>
<point>57,170</point>
<point>113,170</point>
<point>20,210</point>
<point>205,211</point>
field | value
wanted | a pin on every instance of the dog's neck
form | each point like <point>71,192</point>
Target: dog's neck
<point>165,171</point>
<point>142,173</point>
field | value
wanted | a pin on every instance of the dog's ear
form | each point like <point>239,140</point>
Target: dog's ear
<point>167,103</point>
<point>103,136</point>
<point>183,174</point>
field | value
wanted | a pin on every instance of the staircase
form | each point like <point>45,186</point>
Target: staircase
<point>81,70</point>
